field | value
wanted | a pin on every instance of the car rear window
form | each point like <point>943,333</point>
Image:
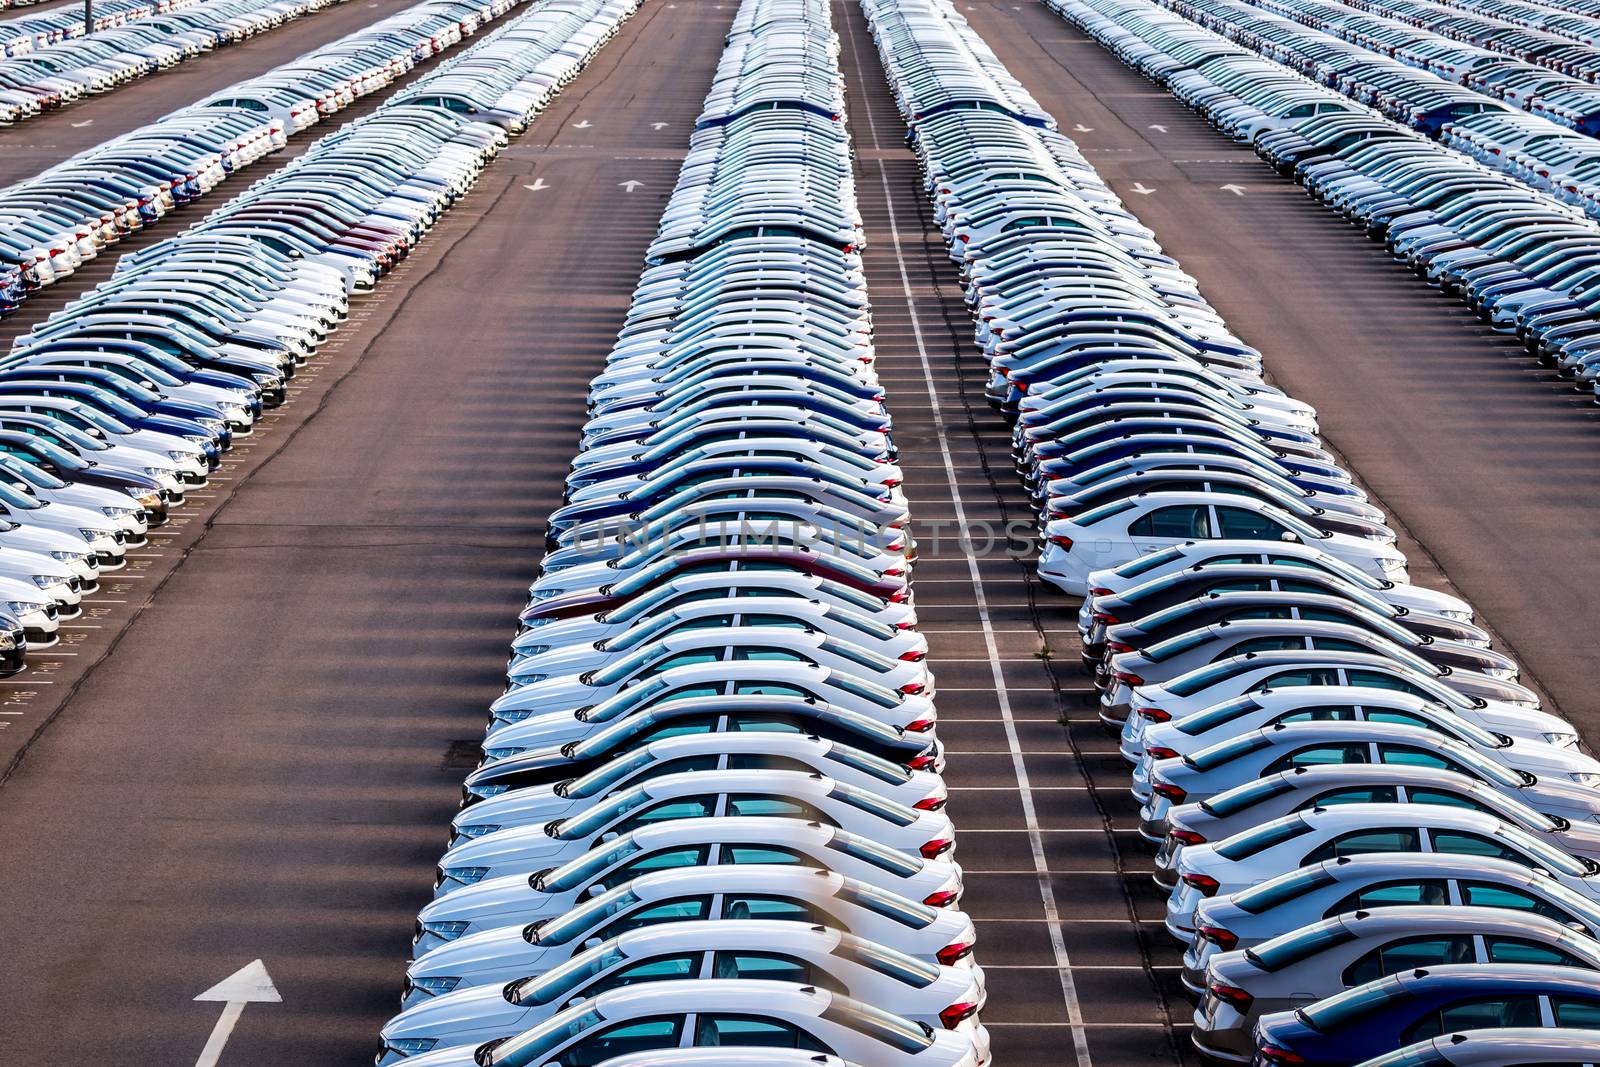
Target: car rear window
<point>1215,756</point>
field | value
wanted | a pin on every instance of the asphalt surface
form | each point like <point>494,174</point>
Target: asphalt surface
<point>250,747</point>
<point>1483,459</point>
<point>32,146</point>
<point>266,765</point>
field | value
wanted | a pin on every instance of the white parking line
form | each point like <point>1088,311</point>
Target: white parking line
<point>1058,945</point>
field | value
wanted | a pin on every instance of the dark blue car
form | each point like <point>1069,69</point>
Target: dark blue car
<point>1393,1012</point>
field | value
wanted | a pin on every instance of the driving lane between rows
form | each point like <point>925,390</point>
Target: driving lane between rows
<point>1486,464</point>
<point>283,790</point>
<point>1080,973</point>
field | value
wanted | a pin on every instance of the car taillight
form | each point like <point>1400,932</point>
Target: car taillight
<point>1174,793</point>
<point>936,847</point>
<point>1100,590</point>
<point>1106,617</point>
<point>1128,678</point>
<point>1223,939</point>
<point>912,689</point>
<point>924,762</point>
<point>934,803</point>
<point>1203,882</point>
<point>1232,995</point>
<point>1187,837</point>
<point>1061,542</point>
<point>954,951</point>
<point>913,657</point>
<point>956,1014</point>
<point>899,596</point>
<point>1148,714</point>
<point>919,726</point>
<point>905,626</point>
<point>894,572</point>
<point>1275,1054</point>
<point>1118,646</point>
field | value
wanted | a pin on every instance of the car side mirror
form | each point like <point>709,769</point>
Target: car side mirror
<point>596,889</point>
<point>1289,536</point>
<point>593,942</point>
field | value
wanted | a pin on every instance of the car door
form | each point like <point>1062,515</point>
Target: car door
<point>1409,953</point>
<point>1164,527</point>
<point>1477,1013</point>
<point>634,1035</point>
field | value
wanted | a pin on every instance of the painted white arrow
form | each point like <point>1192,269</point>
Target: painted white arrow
<point>1158,127</point>
<point>631,184</point>
<point>1081,128</point>
<point>659,125</point>
<point>1142,189</point>
<point>538,183</point>
<point>1236,190</point>
<point>81,125</point>
<point>584,125</point>
<point>250,984</point>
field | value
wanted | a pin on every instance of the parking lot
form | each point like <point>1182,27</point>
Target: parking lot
<point>252,742</point>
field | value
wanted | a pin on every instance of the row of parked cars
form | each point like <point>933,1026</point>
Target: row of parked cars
<point>1432,39</point>
<point>37,29</point>
<point>710,826</point>
<point>114,407</point>
<point>1463,216</point>
<point>1566,50</point>
<point>38,75</point>
<point>1377,846</point>
<point>52,223</point>
<point>1573,19</point>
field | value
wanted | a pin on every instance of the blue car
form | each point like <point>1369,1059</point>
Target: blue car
<point>1515,1047</point>
<point>1379,1017</point>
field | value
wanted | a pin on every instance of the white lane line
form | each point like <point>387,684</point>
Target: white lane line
<point>1058,944</point>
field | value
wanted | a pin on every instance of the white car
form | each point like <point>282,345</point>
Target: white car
<point>693,795</point>
<point>536,943</point>
<point>1115,533</point>
<point>754,949</point>
<point>733,750</point>
<point>1310,837</point>
<point>720,1013</point>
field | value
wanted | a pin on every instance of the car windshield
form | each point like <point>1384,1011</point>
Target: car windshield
<point>888,961</point>
<point>1149,562</point>
<point>1280,952</point>
<point>604,777</point>
<point>1284,888</point>
<point>868,764</point>
<point>882,807</point>
<point>903,910</point>
<point>586,916</point>
<point>1245,796</point>
<point>1343,1009</point>
<point>1204,677</point>
<point>539,1042</point>
<point>1225,752</point>
<point>875,854</point>
<point>589,865</point>
<point>561,980</point>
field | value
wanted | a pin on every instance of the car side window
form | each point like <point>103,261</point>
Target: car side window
<point>667,810</point>
<point>1411,756</point>
<point>753,804</point>
<point>750,1031</point>
<point>760,906</point>
<point>1578,1014</point>
<point>1262,644</point>
<point>1385,794</point>
<point>1303,676</point>
<point>1356,842</point>
<point>656,861</point>
<point>1380,680</point>
<point>762,966</point>
<point>1520,950</point>
<point>760,854</point>
<point>1399,718</point>
<point>1393,894</point>
<point>670,912</point>
<point>660,969</point>
<point>640,1035</point>
<point>1406,954</point>
<point>1445,798</point>
<point>1486,895</point>
<point>1238,522</point>
<point>1489,1013</point>
<point>1180,521</point>
<point>1320,756</point>
<point>1321,713</point>
<point>1462,843</point>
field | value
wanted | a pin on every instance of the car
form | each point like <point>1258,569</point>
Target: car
<point>723,1013</point>
<point>1313,836</point>
<point>523,849</point>
<point>1427,1002</point>
<point>705,843</point>
<point>1496,1048</point>
<point>736,949</point>
<point>1318,961</point>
